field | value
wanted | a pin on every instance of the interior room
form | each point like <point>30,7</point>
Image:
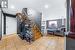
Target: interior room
<point>36,24</point>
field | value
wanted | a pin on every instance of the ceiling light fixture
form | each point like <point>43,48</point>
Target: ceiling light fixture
<point>12,7</point>
<point>46,6</point>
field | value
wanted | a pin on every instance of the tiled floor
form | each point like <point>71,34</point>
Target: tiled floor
<point>13,42</point>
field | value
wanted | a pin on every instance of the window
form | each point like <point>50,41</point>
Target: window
<point>4,4</point>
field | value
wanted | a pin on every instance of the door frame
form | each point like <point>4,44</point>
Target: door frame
<point>7,15</point>
<point>68,16</point>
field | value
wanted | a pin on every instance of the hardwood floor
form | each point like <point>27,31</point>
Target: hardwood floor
<point>13,42</point>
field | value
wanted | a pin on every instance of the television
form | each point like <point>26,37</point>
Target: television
<point>52,24</point>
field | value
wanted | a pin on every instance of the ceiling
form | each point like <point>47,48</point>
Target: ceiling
<point>51,9</point>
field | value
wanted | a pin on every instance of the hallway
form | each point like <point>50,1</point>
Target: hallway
<point>13,42</point>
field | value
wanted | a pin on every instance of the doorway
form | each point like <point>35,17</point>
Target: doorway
<point>11,25</point>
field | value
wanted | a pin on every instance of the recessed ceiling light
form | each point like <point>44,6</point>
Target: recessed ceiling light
<point>12,7</point>
<point>46,6</point>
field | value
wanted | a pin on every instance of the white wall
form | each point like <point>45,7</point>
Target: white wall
<point>2,25</point>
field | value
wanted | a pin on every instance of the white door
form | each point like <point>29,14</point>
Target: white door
<point>11,25</point>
